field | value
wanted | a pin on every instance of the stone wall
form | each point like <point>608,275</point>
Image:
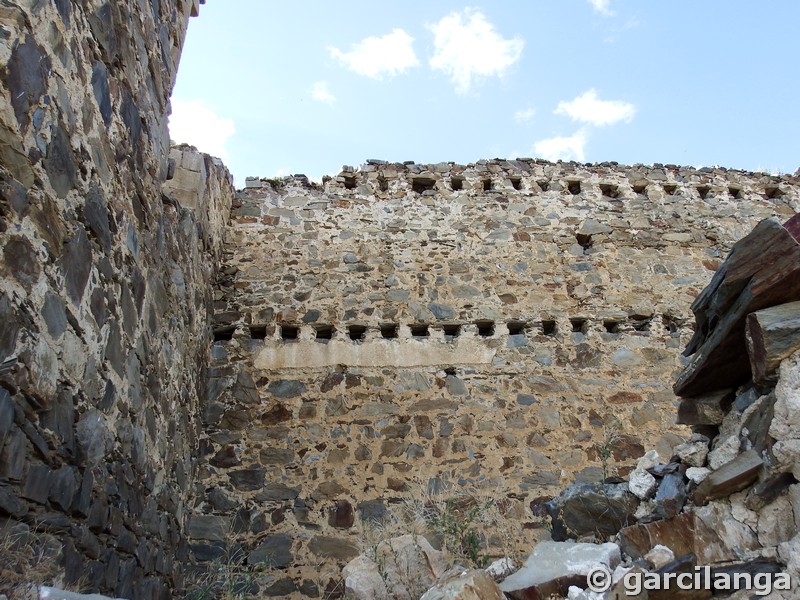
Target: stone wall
<point>105,290</point>
<point>481,329</point>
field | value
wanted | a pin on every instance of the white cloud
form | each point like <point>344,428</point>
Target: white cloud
<point>377,57</point>
<point>525,115</point>
<point>602,6</point>
<point>194,122</point>
<point>467,47</point>
<point>563,148</point>
<point>321,93</point>
<point>589,109</point>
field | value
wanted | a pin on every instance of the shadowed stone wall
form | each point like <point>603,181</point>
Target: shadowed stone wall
<point>105,289</point>
<point>417,327</point>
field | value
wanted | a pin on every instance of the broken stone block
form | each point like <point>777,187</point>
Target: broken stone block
<point>709,409</point>
<point>671,495</point>
<point>729,478</point>
<point>397,557</point>
<point>746,282</point>
<point>592,509</point>
<point>553,567</point>
<point>641,483</point>
<point>773,334</point>
<point>470,585</point>
<point>692,454</point>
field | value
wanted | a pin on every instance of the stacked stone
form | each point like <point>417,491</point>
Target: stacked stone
<point>104,296</point>
<point>384,333</point>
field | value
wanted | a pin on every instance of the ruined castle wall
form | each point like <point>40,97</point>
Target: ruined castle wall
<point>105,289</point>
<point>475,328</point>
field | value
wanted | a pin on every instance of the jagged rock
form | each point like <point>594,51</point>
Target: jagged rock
<point>409,566</point>
<point>591,509</point>
<point>725,450</point>
<point>731,477</point>
<point>641,483</point>
<point>745,283</point>
<point>709,409</point>
<point>649,460</point>
<point>773,335</point>
<point>693,453</point>
<point>659,556</point>
<point>51,593</point>
<point>708,532</point>
<point>671,495</point>
<point>553,567</point>
<point>500,568</point>
<point>785,427</point>
<point>470,585</point>
<point>697,474</point>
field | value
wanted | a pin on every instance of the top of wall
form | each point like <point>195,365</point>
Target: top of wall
<point>381,178</point>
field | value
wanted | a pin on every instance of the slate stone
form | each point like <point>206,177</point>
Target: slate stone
<point>441,311</point>
<point>9,328</point>
<point>20,258</point>
<point>526,399</point>
<point>730,477</point>
<point>220,501</point>
<point>13,455</point>
<point>59,162</point>
<point>281,588</point>
<point>6,415</point>
<point>37,484</point>
<point>372,510</point>
<point>276,456</point>
<point>455,386</point>
<point>133,121</point>
<point>225,458</point>
<point>101,91</point>
<point>208,552</point>
<point>28,72</point>
<point>248,480</point>
<point>210,528</point>
<point>76,264</point>
<point>324,546</point>
<point>671,495</point>
<point>286,388</point>
<point>63,487</point>
<point>277,414</point>
<point>244,389</point>
<point>54,315</point>
<point>60,417</point>
<point>275,551</point>
<point>277,492</point>
<point>96,216</point>
<point>312,316</point>
<point>10,504</point>
<point>341,515</point>
<point>83,498</point>
<point>586,509</point>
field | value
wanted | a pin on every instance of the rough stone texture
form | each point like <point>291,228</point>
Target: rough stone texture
<point>403,568</point>
<point>472,585</point>
<point>552,566</point>
<point>460,339</point>
<point>105,289</point>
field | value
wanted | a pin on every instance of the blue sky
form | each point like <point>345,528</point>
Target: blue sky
<point>277,88</point>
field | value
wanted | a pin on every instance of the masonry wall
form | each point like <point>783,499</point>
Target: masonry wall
<point>105,292</point>
<point>477,329</point>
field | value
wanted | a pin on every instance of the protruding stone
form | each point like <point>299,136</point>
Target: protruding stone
<point>731,477</point>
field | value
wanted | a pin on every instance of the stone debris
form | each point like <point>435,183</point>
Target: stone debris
<point>471,585</point>
<point>745,283</point>
<point>773,335</point>
<point>400,568</point>
<point>553,567</point>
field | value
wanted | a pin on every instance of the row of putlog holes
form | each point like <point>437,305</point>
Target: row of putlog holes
<point>422,184</point>
<point>485,328</point>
